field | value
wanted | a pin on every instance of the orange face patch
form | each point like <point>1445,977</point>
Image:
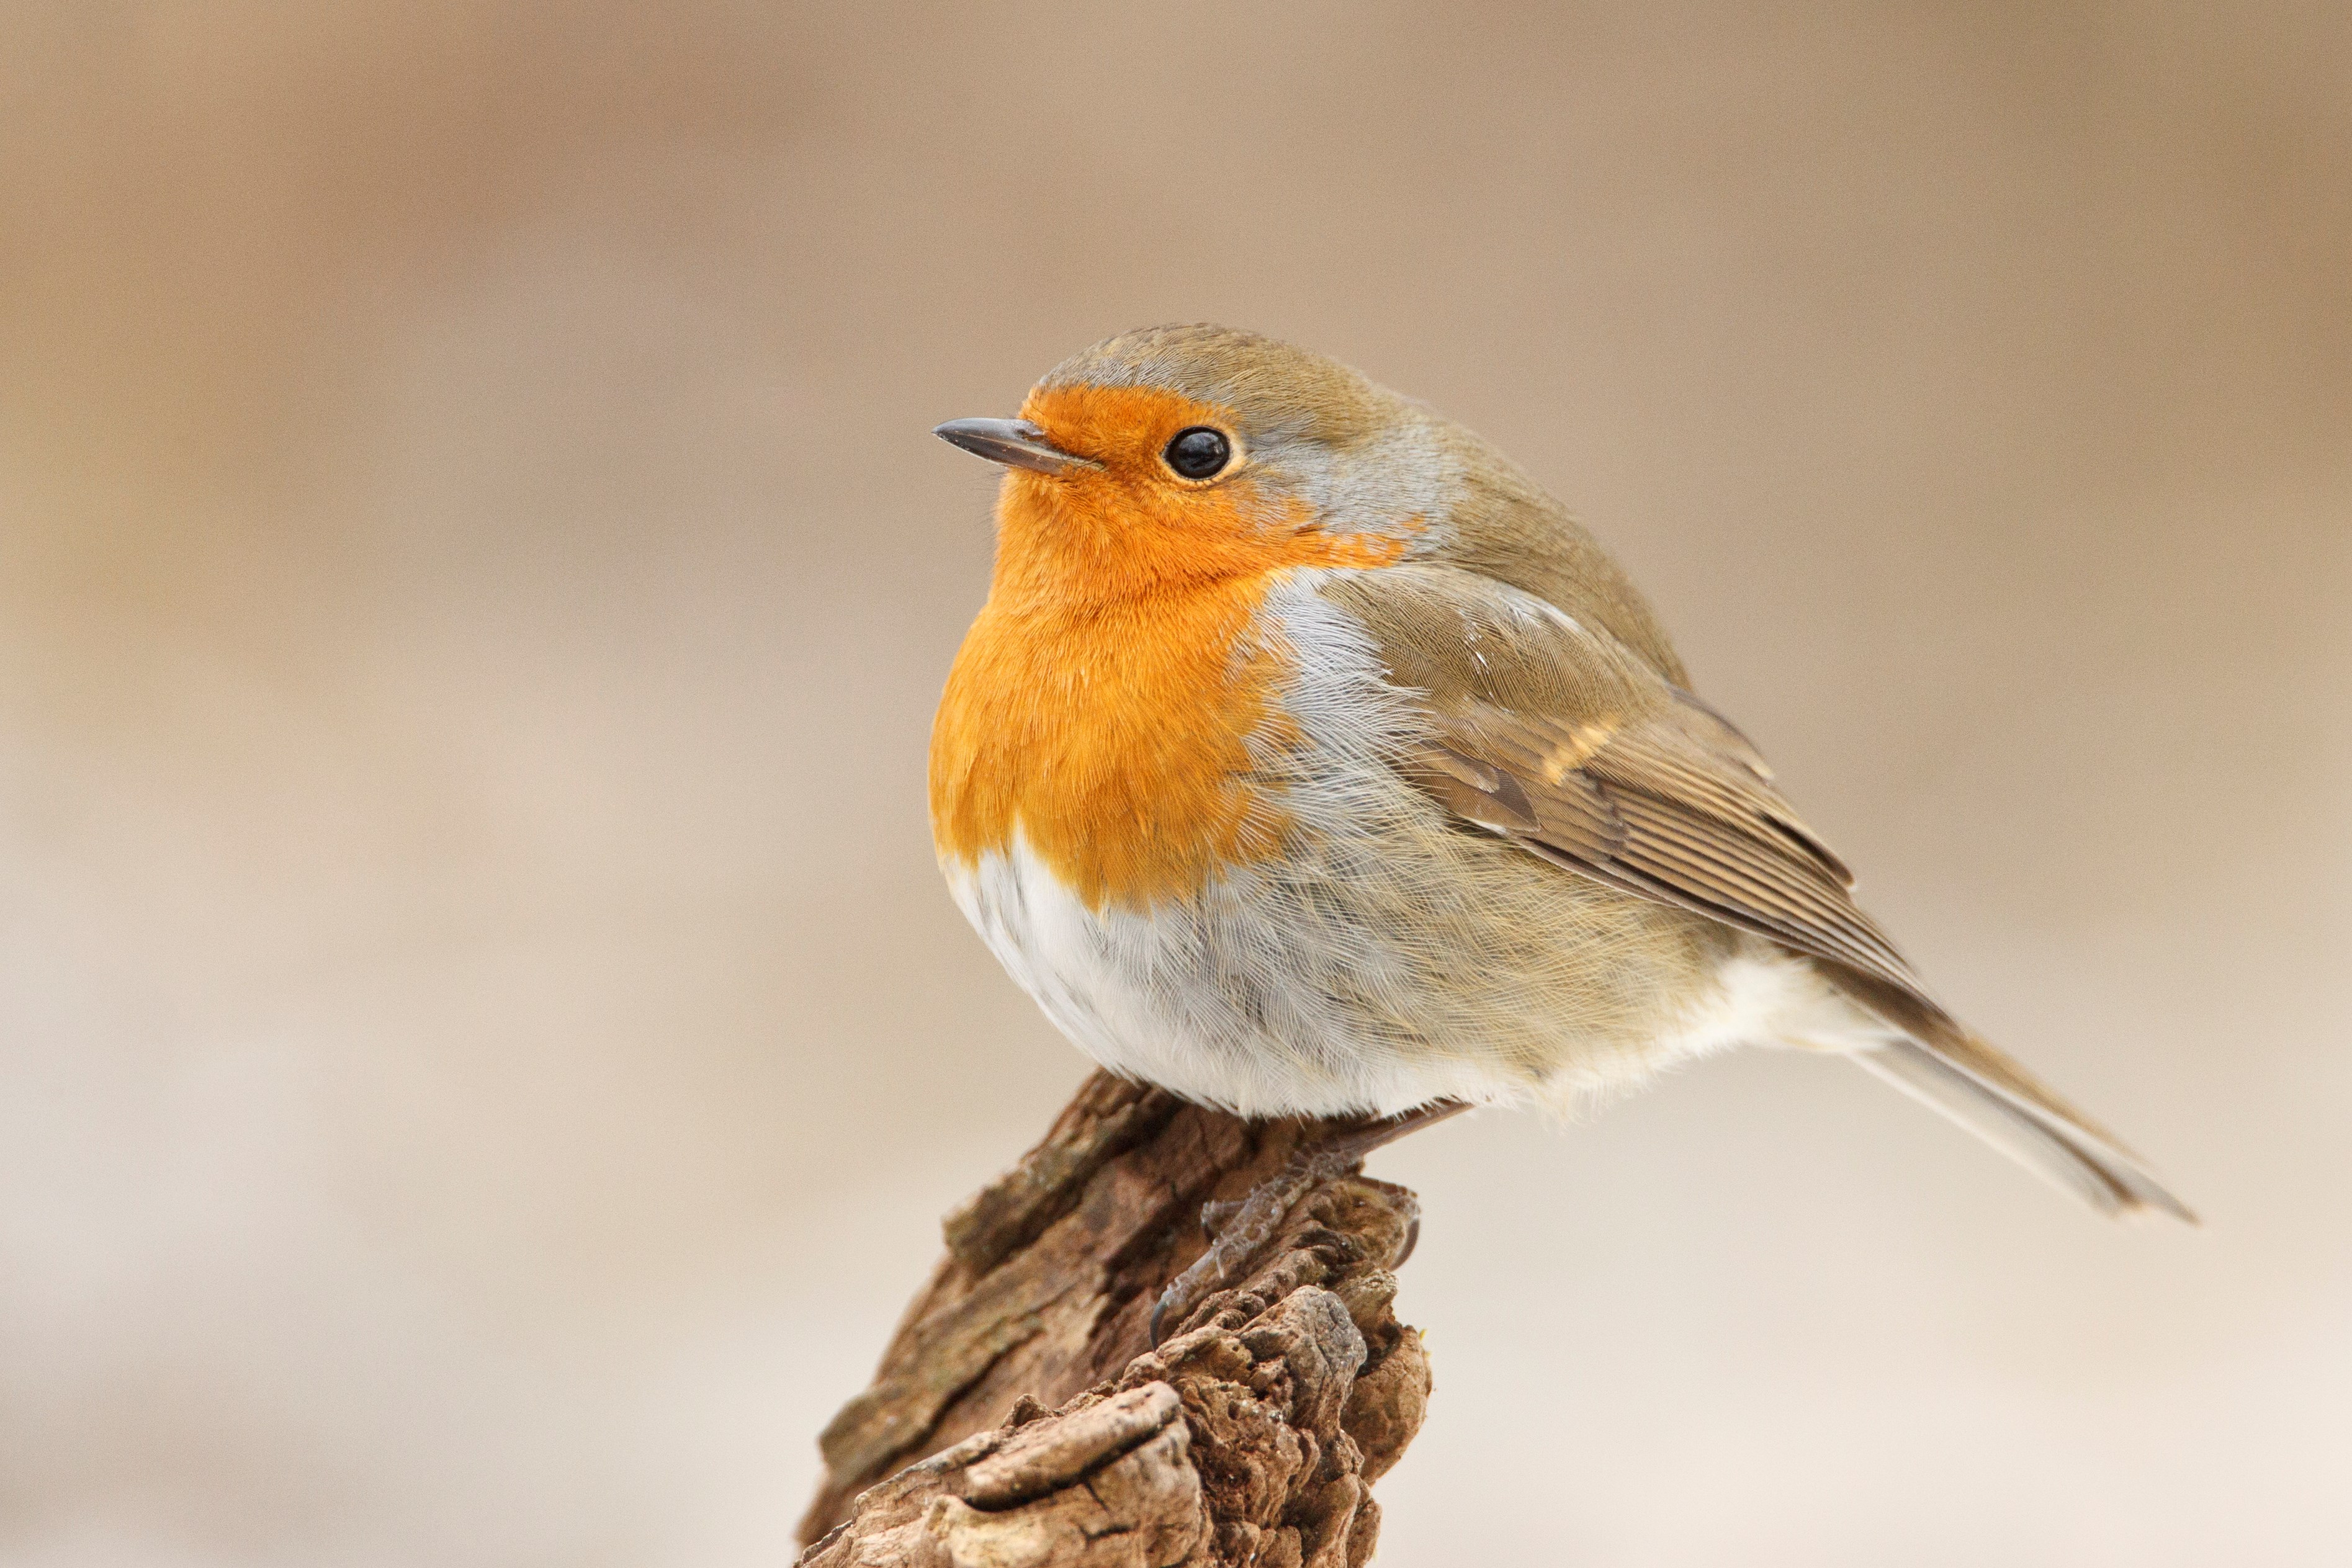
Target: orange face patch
<point>1105,700</point>
<point>1133,527</point>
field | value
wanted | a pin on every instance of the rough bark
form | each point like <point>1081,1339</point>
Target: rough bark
<point>1020,1416</point>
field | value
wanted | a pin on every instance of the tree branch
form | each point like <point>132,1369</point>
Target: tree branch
<point>1020,1416</point>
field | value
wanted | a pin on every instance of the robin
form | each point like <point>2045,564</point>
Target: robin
<point>1308,760</point>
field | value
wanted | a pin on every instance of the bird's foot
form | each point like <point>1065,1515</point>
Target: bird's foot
<point>1217,1215</point>
<point>1239,1231</point>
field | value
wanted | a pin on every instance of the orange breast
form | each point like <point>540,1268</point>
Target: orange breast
<point>1115,737</point>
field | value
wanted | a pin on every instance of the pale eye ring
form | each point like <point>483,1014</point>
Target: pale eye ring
<point>1199,452</point>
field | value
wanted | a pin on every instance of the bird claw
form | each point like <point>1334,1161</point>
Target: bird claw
<point>1217,1214</point>
<point>1239,1231</point>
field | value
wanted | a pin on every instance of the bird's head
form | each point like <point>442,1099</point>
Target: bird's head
<point>1179,455</point>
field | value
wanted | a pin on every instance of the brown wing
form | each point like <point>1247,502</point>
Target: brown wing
<point>1560,739</point>
<point>1555,736</point>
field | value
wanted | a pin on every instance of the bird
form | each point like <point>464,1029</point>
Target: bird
<point>1308,759</point>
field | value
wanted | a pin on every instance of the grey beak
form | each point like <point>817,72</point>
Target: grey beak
<point>1014,442</point>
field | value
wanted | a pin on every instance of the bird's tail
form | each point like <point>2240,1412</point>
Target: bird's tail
<point>1942,1063</point>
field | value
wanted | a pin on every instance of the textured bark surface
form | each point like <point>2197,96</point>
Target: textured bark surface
<point>1020,1416</point>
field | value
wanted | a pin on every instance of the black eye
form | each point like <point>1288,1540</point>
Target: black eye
<point>1199,453</point>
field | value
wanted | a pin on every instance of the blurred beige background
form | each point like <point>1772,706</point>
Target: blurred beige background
<point>482,1047</point>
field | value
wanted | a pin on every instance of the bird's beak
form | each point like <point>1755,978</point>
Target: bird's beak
<point>1014,442</point>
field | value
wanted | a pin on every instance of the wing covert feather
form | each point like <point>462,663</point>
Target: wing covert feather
<point>1557,737</point>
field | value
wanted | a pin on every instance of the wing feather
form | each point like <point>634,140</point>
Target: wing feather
<point>1562,741</point>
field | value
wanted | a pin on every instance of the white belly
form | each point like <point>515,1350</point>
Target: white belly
<point>1242,1000</point>
<point>1212,1001</point>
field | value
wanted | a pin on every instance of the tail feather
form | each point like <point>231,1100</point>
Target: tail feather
<point>1968,1081</point>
